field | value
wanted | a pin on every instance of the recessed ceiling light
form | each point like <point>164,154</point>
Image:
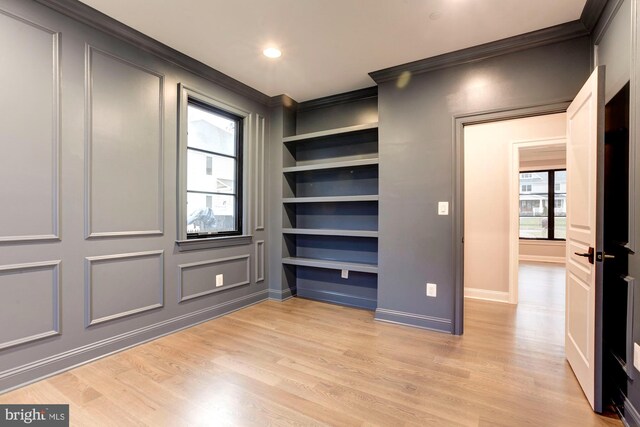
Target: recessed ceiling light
<point>272,52</point>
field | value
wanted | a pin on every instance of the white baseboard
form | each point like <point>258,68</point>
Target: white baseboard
<point>484,294</point>
<point>542,258</point>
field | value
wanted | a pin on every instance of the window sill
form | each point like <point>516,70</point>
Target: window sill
<point>555,242</point>
<point>213,242</point>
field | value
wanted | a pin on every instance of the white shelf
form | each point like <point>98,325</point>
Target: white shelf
<point>330,132</point>
<point>330,232</point>
<point>332,165</point>
<point>333,265</point>
<point>365,198</point>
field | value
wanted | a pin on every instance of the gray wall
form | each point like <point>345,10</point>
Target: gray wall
<point>282,123</point>
<point>416,165</point>
<point>88,259</point>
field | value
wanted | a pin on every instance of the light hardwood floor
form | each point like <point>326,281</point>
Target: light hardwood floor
<point>307,363</point>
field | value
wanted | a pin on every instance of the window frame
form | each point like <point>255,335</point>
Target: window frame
<point>551,198</point>
<point>187,241</point>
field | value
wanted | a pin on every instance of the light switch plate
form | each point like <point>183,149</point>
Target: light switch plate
<point>344,274</point>
<point>443,208</point>
<point>636,356</point>
<point>219,280</point>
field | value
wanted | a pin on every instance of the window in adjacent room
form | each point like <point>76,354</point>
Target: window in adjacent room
<point>214,171</point>
<point>543,205</point>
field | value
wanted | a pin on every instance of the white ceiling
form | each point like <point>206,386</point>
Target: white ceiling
<point>328,46</point>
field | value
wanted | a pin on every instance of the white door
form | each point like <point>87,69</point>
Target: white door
<point>585,154</point>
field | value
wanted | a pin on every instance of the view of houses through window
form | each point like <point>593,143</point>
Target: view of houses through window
<point>543,204</point>
<point>213,149</point>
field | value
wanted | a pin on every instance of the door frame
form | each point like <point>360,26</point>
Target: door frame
<point>459,122</point>
<point>514,212</point>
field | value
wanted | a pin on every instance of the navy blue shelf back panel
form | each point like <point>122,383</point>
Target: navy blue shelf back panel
<point>339,216</point>
<point>332,248</point>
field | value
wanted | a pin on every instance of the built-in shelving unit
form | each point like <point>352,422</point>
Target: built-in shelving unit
<point>330,214</point>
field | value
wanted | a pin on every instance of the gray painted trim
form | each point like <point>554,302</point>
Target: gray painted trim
<point>212,242</point>
<point>591,13</point>
<point>43,368</point>
<point>414,320</point>
<point>555,34</point>
<point>93,18</point>
<point>337,298</point>
<point>283,101</point>
<point>55,141</point>
<point>258,190</point>
<point>341,98</point>
<point>88,286</point>
<point>631,415</point>
<point>259,261</point>
<point>611,8</point>
<point>88,142</point>
<point>459,122</point>
<point>55,284</point>
<point>278,295</point>
<point>193,265</point>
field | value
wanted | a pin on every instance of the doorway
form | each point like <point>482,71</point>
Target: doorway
<point>615,302</point>
<point>509,163</point>
<point>618,289</point>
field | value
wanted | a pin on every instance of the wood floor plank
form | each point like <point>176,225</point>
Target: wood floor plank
<point>305,363</point>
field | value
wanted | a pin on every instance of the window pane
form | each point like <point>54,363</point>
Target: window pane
<point>534,205</point>
<point>560,229</point>
<point>534,227</point>
<point>560,203</point>
<point>210,131</point>
<point>210,173</point>
<point>210,213</point>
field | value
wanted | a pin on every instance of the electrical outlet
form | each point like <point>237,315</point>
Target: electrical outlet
<point>219,280</point>
<point>344,274</point>
<point>432,290</point>
<point>636,356</point>
<point>443,208</point>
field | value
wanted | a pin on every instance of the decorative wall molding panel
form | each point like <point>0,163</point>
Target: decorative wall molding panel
<point>122,285</point>
<point>259,261</point>
<point>259,171</point>
<point>198,279</point>
<point>29,302</point>
<point>123,169</point>
<point>30,209</point>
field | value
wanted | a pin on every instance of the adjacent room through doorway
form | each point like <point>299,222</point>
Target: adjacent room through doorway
<point>510,173</point>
